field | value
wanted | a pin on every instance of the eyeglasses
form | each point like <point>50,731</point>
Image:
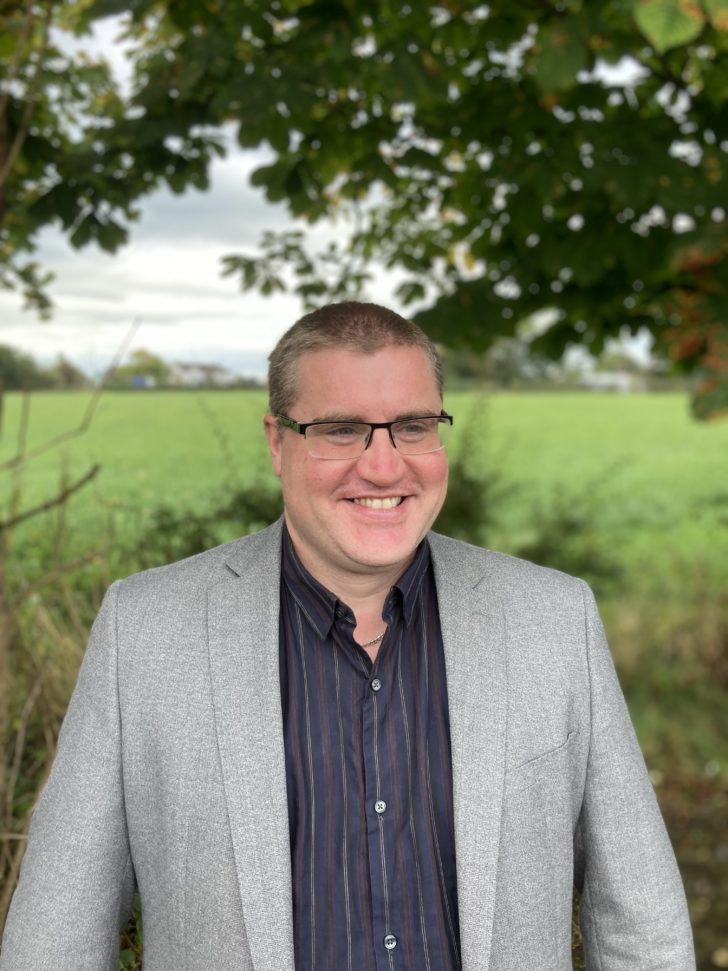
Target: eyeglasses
<point>350,439</point>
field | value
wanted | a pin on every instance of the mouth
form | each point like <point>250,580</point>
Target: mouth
<point>385,502</point>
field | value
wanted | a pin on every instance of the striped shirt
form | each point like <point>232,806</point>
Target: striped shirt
<point>369,779</point>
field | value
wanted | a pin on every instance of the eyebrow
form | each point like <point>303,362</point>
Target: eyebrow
<point>403,416</point>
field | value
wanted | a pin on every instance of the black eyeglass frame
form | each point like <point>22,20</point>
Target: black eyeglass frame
<point>301,427</point>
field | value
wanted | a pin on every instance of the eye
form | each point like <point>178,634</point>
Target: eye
<point>415,429</point>
<point>340,434</point>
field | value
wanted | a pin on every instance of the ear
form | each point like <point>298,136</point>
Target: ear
<point>273,434</point>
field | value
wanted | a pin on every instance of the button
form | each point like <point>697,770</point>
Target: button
<point>390,942</point>
<point>380,806</point>
<point>376,684</point>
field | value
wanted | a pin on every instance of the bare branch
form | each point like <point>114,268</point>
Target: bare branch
<point>51,503</point>
<point>11,878</point>
<point>22,456</point>
<point>24,423</point>
<point>20,743</point>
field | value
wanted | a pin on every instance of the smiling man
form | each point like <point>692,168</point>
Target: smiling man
<point>347,743</point>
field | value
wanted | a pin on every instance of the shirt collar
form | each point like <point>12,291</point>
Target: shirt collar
<point>321,606</point>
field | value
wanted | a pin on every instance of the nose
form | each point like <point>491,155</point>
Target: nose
<point>380,460</point>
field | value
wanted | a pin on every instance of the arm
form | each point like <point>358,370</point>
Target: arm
<point>633,912</point>
<point>77,880</point>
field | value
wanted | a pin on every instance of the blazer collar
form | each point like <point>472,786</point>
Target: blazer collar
<point>243,645</point>
<point>472,617</point>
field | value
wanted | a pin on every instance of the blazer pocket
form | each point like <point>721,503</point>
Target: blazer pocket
<point>541,767</point>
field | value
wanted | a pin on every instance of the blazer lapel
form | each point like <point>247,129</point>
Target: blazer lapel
<point>243,641</point>
<point>474,638</point>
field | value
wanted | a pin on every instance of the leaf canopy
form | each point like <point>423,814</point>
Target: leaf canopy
<point>563,162</point>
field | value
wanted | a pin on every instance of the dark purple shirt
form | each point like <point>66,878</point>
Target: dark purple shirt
<point>369,779</point>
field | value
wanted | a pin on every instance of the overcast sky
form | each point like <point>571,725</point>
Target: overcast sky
<point>169,277</point>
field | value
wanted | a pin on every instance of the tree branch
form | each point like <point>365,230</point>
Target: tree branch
<point>21,456</point>
<point>51,503</point>
<point>29,107</point>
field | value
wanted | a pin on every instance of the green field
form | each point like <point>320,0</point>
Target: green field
<point>656,481</point>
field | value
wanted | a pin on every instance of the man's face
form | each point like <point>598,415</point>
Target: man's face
<point>336,528</point>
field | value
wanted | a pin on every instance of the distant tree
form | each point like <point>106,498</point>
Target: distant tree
<point>19,372</point>
<point>65,374</point>
<point>141,364</point>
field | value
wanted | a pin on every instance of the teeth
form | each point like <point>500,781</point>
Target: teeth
<point>388,503</point>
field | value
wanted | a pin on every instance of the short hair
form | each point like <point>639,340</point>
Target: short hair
<point>363,327</point>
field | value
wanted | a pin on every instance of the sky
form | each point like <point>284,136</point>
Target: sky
<point>167,276</point>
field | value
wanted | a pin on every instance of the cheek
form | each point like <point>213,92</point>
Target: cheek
<point>435,475</point>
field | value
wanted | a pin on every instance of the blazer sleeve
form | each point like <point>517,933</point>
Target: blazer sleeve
<point>633,913</point>
<point>77,881</point>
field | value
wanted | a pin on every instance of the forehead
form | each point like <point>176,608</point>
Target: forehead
<point>395,379</point>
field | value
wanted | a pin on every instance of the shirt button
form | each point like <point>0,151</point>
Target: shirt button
<point>390,942</point>
<point>376,684</point>
<point>380,807</point>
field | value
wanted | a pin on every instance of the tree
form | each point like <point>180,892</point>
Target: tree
<point>19,372</point>
<point>70,153</point>
<point>65,374</point>
<point>550,157</point>
<point>143,367</point>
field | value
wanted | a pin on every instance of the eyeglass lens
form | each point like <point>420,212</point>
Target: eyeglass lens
<point>342,440</point>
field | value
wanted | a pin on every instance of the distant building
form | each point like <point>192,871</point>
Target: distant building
<point>203,376</point>
<point>142,381</point>
<point>623,381</point>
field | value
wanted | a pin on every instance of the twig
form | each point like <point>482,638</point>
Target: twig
<point>20,742</point>
<point>11,878</point>
<point>22,456</point>
<point>24,422</point>
<point>51,503</point>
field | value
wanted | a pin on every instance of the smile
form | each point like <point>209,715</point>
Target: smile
<point>387,502</point>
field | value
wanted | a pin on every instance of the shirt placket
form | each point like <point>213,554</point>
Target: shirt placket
<point>379,820</point>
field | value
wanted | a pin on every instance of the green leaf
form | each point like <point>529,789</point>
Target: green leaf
<point>669,23</point>
<point>718,13</point>
<point>562,53</point>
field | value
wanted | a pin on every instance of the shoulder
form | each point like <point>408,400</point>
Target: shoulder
<point>259,552</point>
<point>499,571</point>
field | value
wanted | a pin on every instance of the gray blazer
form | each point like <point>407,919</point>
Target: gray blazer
<point>170,774</point>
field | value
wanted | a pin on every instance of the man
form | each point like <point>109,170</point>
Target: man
<point>346,742</point>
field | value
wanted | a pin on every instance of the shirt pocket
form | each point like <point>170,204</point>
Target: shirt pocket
<point>549,765</point>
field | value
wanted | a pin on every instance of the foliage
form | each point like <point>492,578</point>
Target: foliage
<point>557,159</point>
<point>141,365</point>
<point>19,372</point>
<point>171,533</point>
<point>70,152</point>
<point>565,534</point>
